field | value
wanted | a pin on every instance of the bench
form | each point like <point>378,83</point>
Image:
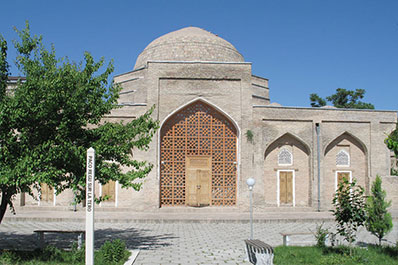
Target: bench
<point>40,235</point>
<point>286,236</point>
<point>259,252</point>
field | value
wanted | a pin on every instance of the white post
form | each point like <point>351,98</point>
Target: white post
<point>90,206</point>
<point>250,183</point>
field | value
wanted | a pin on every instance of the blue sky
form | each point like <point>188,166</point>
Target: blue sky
<point>302,46</point>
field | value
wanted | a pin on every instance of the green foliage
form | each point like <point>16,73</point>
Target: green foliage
<point>343,98</point>
<point>9,257</point>
<point>249,136</point>
<point>4,67</point>
<point>54,117</point>
<point>378,219</point>
<point>349,212</point>
<point>335,255</point>
<point>317,101</point>
<point>78,255</point>
<point>320,235</point>
<point>53,255</point>
<point>392,141</point>
<point>113,251</point>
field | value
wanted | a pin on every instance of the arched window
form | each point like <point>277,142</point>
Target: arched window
<point>285,157</point>
<point>343,159</point>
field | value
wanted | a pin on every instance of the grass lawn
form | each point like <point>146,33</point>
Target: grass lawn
<point>336,256</point>
<point>53,256</point>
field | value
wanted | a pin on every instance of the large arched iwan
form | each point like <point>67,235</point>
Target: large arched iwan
<point>201,131</point>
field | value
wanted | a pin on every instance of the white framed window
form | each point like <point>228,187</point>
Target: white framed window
<point>340,175</point>
<point>343,159</point>
<point>285,157</point>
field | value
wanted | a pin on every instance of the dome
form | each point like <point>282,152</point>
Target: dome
<point>189,44</point>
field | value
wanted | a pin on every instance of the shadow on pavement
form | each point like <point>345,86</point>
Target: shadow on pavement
<point>134,239</point>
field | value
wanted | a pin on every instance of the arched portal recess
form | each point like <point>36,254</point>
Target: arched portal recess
<point>198,143</point>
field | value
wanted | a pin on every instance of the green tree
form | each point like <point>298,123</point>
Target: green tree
<point>343,98</point>
<point>53,117</point>
<point>378,219</point>
<point>392,143</point>
<point>349,211</point>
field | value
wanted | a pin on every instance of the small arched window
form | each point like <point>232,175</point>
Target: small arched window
<point>343,159</point>
<point>285,157</point>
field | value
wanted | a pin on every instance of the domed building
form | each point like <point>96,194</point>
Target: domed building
<point>218,128</point>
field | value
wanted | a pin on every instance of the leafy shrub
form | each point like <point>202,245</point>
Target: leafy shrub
<point>52,253</point>
<point>349,212</point>
<point>113,251</point>
<point>9,257</point>
<point>78,255</point>
<point>378,219</point>
<point>320,235</point>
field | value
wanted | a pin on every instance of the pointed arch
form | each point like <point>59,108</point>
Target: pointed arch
<point>353,155</point>
<point>287,179</point>
<point>198,129</point>
<point>207,102</point>
<point>303,145</point>
<point>350,137</point>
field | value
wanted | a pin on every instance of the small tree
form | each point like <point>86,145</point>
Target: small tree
<point>349,211</point>
<point>51,119</point>
<point>378,219</point>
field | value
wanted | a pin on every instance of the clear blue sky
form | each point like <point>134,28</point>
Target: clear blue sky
<point>302,46</point>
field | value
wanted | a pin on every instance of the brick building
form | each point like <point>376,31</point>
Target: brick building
<point>218,128</point>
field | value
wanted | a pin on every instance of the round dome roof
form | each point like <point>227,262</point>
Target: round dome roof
<point>189,44</point>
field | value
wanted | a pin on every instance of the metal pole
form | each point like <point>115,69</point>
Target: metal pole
<point>318,129</point>
<point>251,214</point>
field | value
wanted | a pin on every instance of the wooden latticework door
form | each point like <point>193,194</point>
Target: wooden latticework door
<point>198,130</point>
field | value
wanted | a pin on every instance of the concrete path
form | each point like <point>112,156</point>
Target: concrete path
<point>171,240</point>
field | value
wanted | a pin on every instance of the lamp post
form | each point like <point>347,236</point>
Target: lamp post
<point>250,183</point>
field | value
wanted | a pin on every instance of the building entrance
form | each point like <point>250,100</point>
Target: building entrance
<point>198,158</point>
<point>198,177</point>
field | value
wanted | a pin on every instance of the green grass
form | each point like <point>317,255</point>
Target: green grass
<point>336,256</point>
<point>53,256</point>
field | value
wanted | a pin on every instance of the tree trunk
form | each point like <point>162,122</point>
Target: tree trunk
<point>379,241</point>
<point>3,205</point>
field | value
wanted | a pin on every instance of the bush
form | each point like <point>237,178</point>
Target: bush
<point>9,257</point>
<point>378,219</point>
<point>78,255</point>
<point>113,251</point>
<point>52,253</point>
<point>349,211</point>
<point>320,235</point>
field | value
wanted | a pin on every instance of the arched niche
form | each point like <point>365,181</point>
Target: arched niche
<point>333,172</point>
<point>295,175</point>
<point>198,132</point>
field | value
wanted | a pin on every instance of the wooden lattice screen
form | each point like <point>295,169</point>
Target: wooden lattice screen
<point>198,129</point>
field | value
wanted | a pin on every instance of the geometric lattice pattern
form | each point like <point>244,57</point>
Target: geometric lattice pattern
<point>285,157</point>
<point>198,129</point>
<point>342,158</point>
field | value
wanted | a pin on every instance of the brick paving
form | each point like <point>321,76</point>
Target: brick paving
<point>174,242</point>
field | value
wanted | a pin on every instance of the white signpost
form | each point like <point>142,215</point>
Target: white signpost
<point>90,206</point>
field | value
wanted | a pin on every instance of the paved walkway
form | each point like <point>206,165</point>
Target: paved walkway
<point>175,241</point>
